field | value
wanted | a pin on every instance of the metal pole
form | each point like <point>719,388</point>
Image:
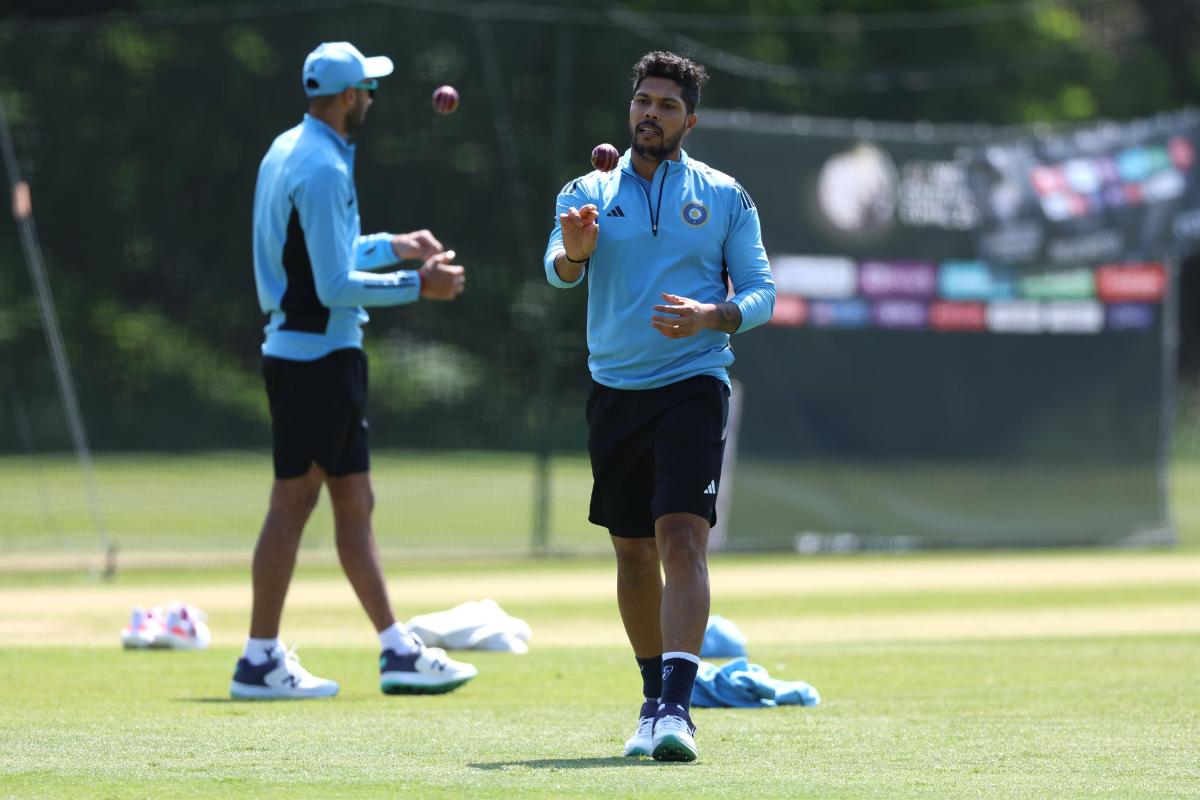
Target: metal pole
<point>23,214</point>
<point>519,203</point>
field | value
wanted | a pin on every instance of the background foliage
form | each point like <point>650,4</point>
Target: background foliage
<point>140,128</point>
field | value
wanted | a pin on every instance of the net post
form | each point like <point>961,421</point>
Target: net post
<point>22,211</point>
<point>719,534</point>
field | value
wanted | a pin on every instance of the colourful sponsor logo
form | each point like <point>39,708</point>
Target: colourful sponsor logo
<point>945,316</point>
<point>1067,316</point>
<point>1135,175</point>
<point>818,277</point>
<point>790,311</point>
<point>839,313</point>
<point>1082,175</point>
<point>1015,316</point>
<point>1059,206</point>
<point>1134,164</point>
<point>1163,186</point>
<point>1071,284</point>
<point>897,279</point>
<point>1046,180</point>
<point>1182,153</point>
<point>974,280</point>
<point>1131,316</point>
<point>900,314</point>
<point>1120,283</point>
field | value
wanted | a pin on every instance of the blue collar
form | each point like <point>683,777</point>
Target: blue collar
<point>326,130</point>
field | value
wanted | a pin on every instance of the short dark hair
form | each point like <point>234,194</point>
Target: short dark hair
<point>689,75</point>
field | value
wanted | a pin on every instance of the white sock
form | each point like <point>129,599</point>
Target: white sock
<point>260,651</point>
<point>395,637</point>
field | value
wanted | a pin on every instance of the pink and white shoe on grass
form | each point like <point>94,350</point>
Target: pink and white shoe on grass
<point>184,628</point>
<point>143,629</point>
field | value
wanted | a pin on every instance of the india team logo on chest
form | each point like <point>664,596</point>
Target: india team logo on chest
<point>695,214</point>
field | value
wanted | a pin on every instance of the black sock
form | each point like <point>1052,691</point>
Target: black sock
<point>651,677</point>
<point>679,674</point>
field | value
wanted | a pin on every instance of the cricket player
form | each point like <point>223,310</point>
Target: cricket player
<point>314,273</point>
<point>659,240</point>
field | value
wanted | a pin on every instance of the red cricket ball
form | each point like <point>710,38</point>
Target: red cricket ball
<point>445,99</point>
<point>605,157</point>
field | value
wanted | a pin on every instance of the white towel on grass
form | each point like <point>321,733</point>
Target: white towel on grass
<point>473,625</point>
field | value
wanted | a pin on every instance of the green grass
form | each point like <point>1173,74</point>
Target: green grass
<point>426,502</point>
<point>905,714</point>
<point>1032,717</point>
<point>431,503</point>
<point>1003,719</point>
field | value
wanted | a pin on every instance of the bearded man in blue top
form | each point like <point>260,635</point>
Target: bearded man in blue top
<point>315,271</point>
<point>676,234</point>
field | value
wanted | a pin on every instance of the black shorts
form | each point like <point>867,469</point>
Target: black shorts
<point>655,452</point>
<point>318,413</point>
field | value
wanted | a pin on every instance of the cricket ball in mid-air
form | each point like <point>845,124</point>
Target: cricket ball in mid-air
<point>445,99</point>
<point>605,157</point>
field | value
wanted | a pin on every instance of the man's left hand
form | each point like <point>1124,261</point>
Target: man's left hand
<point>687,317</point>
<point>419,244</point>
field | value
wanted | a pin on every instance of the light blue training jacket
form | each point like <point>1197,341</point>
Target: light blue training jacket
<point>309,254</point>
<point>683,234</point>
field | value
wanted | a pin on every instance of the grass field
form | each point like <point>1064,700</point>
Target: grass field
<point>427,502</point>
<point>1041,675</point>
<point>160,506</point>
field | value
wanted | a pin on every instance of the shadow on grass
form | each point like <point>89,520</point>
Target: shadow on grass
<point>565,763</point>
<point>222,700</point>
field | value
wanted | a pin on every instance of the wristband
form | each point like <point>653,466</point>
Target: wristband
<point>573,261</point>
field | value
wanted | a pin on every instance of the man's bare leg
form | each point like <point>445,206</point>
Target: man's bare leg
<point>353,501</point>
<point>639,594</point>
<point>683,545</point>
<point>292,502</point>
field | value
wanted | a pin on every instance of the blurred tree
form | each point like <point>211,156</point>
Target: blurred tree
<point>142,123</point>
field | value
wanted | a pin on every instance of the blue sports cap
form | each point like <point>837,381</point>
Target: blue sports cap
<point>336,66</point>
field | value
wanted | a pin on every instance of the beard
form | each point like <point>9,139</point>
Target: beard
<point>655,151</point>
<point>355,118</point>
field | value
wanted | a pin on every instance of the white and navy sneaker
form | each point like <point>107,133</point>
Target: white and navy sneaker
<point>674,735</point>
<point>642,741</point>
<point>426,670</point>
<point>281,678</point>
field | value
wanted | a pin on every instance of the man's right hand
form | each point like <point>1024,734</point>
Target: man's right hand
<point>579,231</point>
<point>441,280</point>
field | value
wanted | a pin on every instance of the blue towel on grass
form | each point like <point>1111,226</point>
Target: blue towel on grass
<point>740,684</point>
<point>722,639</point>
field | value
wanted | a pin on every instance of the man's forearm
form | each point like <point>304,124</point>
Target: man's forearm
<point>568,271</point>
<point>726,317</point>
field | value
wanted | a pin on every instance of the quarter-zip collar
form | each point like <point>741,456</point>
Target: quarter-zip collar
<point>656,186</point>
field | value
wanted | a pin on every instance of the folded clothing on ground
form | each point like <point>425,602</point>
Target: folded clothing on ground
<point>474,625</point>
<point>740,684</point>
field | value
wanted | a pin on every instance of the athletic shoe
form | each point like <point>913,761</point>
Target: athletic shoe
<point>184,628</point>
<point>281,678</point>
<point>426,670</point>
<point>642,741</point>
<point>143,629</point>
<point>674,735</point>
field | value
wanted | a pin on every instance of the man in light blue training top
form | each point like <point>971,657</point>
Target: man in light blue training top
<point>311,267</point>
<point>675,233</point>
